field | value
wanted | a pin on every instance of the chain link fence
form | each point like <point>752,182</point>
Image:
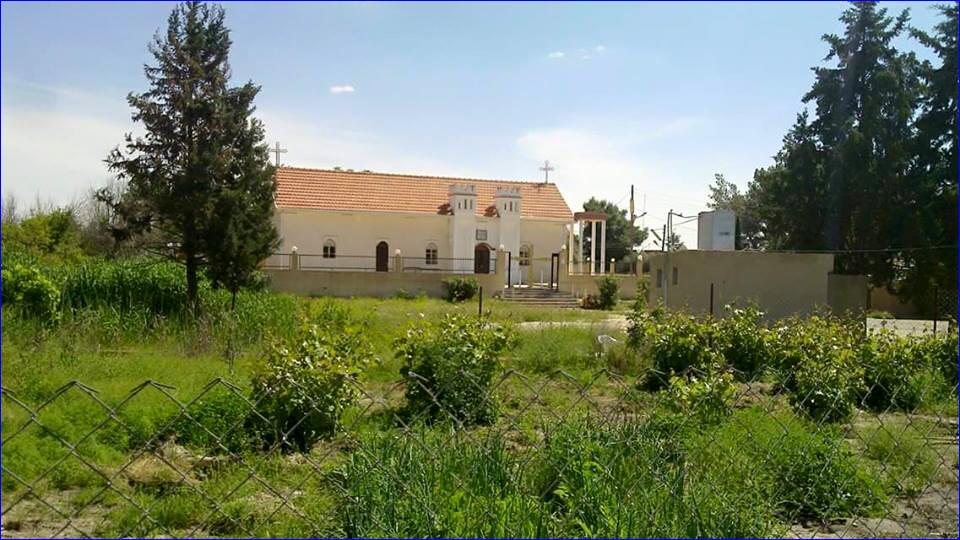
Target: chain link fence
<point>562,453</point>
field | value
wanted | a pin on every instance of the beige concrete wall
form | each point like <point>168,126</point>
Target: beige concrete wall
<point>781,284</point>
<point>883,300</point>
<point>374,284</point>
<point>848,293</point>
<point>581,285</point>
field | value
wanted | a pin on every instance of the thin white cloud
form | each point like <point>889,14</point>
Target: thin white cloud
<point>311,143</point>
<point>342,89</point>
<point>603,164</point>
<point>579,54</point>
<point>55,148</point>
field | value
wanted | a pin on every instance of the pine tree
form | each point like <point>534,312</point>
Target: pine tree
<point>934,176</point>
<point>200,175</point>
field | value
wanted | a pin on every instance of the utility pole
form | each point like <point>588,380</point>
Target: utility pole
<point>668,242</point>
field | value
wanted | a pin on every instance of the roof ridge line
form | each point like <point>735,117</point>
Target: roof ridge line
<point>491,180</point>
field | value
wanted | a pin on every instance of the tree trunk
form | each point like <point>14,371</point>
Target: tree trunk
<point>233,300</point>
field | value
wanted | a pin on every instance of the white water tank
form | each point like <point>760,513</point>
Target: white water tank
<point>716,230</point>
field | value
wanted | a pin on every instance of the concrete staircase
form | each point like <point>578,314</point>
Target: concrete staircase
<point>535,296</point>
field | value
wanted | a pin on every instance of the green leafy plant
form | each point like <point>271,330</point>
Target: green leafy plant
<point>308,382</point>
<point>217,422</point>
<point>449,366</point>
<point>609,290</point>
<point>745,342</point>
<point>706,396</point>
<point>897,373</point>
<point>818,361</point>
<point>32,293</point>
<point>460,289</point>
<point>675,342</point>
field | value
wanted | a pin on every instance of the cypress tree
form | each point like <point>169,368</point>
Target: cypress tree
<point>200,175</point>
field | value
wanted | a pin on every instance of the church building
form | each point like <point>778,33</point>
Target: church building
<point>368,221</point>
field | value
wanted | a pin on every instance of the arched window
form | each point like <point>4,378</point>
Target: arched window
<point>329,249</point>
<point>431,254</point>
<point>525,255</point>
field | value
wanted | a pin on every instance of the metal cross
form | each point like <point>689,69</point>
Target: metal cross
<point>546,171</point>
<point>277,151</point>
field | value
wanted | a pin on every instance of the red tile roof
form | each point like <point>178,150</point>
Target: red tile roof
<point>381,192</point>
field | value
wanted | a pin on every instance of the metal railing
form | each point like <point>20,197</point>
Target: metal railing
<point>371,263</point>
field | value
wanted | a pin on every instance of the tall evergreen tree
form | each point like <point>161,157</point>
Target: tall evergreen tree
<point>934,176</point>
<point>865,104</point>
<point>200,174</point>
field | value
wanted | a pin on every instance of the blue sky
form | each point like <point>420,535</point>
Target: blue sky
<point>660,95</point>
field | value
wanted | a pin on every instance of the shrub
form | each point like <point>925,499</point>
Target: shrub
<point>818,362</point>
<point>460,289</point>
<point>805,471</point>
<point>745,341</point>
<point>943,355</point>
<point>676,342</point>
<point>704,396</point>
<point>31,292</point>
<point>896,373</point>
<point>449,367</point>
<point>217,422</point>
<point>609,289</point>
<point>879,314</point>
<point>308,382</point>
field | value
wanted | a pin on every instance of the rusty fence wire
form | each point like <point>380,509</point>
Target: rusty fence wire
<point>555,454</point>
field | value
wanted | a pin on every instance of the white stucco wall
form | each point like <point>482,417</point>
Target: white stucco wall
<point>357,234</point>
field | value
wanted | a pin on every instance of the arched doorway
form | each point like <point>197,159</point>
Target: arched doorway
<point>481,259</point>
<point>383,257</point>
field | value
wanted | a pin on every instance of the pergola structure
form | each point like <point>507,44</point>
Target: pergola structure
<point>581,221</point>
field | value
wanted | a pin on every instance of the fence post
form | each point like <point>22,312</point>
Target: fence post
<point>294,259</point>
<point>936,308</point>
<point>509,269</point>
<point>711,299</point>
<point>480,304</point>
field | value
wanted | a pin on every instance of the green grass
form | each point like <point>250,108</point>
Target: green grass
<point>545,468</point>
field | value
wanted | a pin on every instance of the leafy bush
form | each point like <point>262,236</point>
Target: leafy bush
<point>818,361</point>
<point>897,373</point>
<point>675,343</point>
<point>806,471</point>
<point>745,342</point>
<point>609,289</point>
<point>942,352</point>
<point>217,422</point>
<point>704,396</point>
<point>31,292</point>
<point>307,382</point>
<point>879,314</point>
<point>449,367</point>
<point>460,289</point>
